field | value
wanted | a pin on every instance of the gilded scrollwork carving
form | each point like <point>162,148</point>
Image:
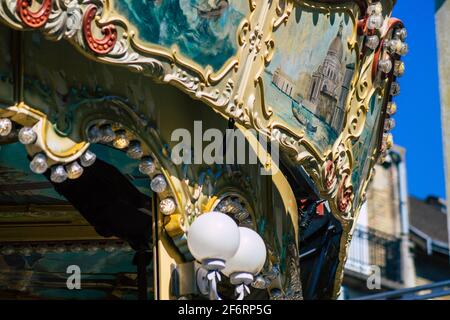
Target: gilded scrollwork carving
<point>79,21</point>
<point>65,20</point>
<point>236,89</point>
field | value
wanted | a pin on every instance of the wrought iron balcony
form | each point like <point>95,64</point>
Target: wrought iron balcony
<point>371,248</point>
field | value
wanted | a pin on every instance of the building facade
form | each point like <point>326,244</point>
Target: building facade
<point>398,237</point>
<point>380,244</point>
<point>443,44</point>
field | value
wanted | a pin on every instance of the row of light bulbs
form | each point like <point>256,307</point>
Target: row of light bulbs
<point>96,134</point>
<point>395,48</point>
<point>120,139</point>
<point>241,257</point>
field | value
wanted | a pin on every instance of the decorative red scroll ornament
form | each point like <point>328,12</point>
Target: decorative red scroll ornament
<point>392,23</point>
<point>99,46</point>
<point>33,19</point>
<point>330,174</point>
<point>345,195</point>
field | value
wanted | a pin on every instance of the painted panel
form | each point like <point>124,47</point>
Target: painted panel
<point>203,30</point>
<point>19,185</point>
<point>308,80</point>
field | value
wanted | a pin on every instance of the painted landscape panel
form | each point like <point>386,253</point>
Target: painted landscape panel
<point>310,75</point>
<point>203,30</point>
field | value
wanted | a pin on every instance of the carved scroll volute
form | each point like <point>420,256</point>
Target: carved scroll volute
<point>345,195</point>
<point>103,45</point>
<point>34,19</point>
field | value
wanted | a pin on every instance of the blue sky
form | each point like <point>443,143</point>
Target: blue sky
<point>418,118</point>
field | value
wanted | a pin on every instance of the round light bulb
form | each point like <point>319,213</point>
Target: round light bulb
<point>58,174</point>
<point>213,236</point>
<point>374,22</point>
<point>385,65</point>
<point>134,150</point>
<point>5,127</point>
<point>393,45</point>
<point>250,256</point>
<point>107,133</point>
<point>121,140</point>
<point>391,108</point>
<point>261,283</point>
<point>167,206</point>
<point>158,184</point>
<point>401,34</point>
<point>395,89</point>
<point>94,134</point>
<point>88,158</point>
<point>27,135</point>
<point>389,124</point>
<point>388,140</point>
<point>375,9</point>
<point>399,68</point>
<point>403,50</point>
<point>372,42</point>
<point>74,170</point>
<point>39,163</point>
<point>147,166</point>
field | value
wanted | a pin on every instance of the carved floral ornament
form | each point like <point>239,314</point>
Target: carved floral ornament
<point>234,89</point>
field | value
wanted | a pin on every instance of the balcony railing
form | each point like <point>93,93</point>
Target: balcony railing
<point>371,248</point>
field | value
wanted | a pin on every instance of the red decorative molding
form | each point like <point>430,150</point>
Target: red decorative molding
<point>392,23</point>
<point>99,46</point>
<point>33,19</point>
<point>345,195</point>
<point>330,174</point>
<point>361,26</point>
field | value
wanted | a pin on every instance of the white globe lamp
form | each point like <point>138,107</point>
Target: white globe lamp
<point>247,262</point>
<point>213,238</point>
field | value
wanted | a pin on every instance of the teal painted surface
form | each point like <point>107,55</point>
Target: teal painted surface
<point>203,30</point>
<point>21,185</point>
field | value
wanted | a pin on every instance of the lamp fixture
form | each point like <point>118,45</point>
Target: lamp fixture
<point>107,133</point>
<point>158,184</point>
<point>74,170</point>
<point>246,262</point>
<point>39,163</point>
<point>88,158</point>
<point>27,135</point>
<point>135,150</point>
<point>5,127</point>
<point>212,239</point>
<point>58,174</point>
<point>121,140</point>
<point>147,166</point>
<point>215,240</point>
